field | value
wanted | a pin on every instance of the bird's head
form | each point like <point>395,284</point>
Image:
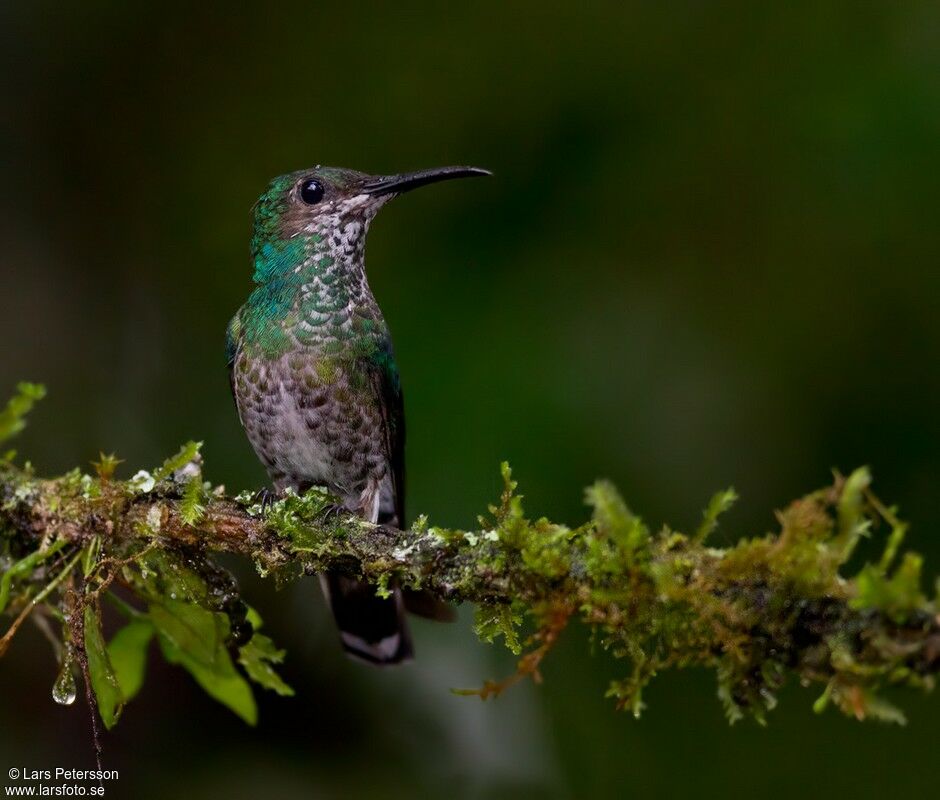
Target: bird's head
<point>331,207</point>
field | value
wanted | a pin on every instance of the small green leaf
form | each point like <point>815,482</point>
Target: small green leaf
<point>192,630</point>
<point>733,712</point>
<point>498,620</point>
<point>191,508</point>
<point>165,575</point>
<point>628,693</point>
<point>510,503</point>
<point>895,538</point>
<point>822,702</point>
<point>194,638</point>
<point>13,416</point>
<point>103,680</point>
<point>718,505</point>
<point>187,453</point>
<point>128,654</point>
<point>105,465</point>
<point>853,523</point>
<point>381,587</point>
<point>254,618</point>
<point>898,595</point>
<point>615,520</point>
<point>257,658</point>
<point>878,708</point>
<point>223,684</point>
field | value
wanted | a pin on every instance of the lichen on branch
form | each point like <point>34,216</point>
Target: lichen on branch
<point>776,607</point>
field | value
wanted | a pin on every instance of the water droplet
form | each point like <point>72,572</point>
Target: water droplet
<point>63,690</point>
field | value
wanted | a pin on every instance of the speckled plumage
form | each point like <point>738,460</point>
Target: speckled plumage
<point>313,371</point>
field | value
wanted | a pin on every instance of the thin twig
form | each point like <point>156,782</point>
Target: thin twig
<point>11,632</point>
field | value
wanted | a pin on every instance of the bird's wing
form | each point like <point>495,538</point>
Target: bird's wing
<point>386,385</point>
<point>232,341</point>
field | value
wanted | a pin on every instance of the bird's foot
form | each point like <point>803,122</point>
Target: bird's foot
<point>331,512</point>
<point>265,498</point>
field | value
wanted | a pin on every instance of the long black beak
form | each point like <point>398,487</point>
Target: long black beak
<point>395,184</point>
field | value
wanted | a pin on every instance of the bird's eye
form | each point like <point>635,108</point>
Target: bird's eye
<point>311,192</point>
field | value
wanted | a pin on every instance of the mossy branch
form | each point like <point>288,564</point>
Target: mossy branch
<point>765,610</point>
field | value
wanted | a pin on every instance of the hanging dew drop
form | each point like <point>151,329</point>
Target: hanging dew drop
<point>63,690</point>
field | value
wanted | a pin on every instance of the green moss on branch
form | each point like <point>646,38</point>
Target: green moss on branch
<point>769,609</point>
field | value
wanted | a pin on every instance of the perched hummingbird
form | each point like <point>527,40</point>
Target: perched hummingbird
<point>314,376</point>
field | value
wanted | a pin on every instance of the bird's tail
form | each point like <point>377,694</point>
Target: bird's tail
<point>371,628</point>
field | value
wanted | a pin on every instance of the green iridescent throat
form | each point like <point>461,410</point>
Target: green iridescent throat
<point>282,265</point>
<point>298,281</point>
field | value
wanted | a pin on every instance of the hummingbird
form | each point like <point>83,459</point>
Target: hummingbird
<point>314,376</point>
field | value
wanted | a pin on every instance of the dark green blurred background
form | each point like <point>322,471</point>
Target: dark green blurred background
<point>709,257</point>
